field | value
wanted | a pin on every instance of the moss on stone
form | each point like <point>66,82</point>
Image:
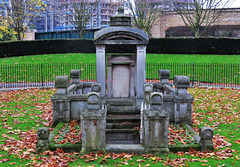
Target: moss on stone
<point>66,147</point>
<point>55,131</point>
<point>184,148</point>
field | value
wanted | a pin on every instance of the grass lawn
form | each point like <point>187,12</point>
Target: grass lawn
<point>23,111</point>
<point>153,58</point>
<point>44,68</point>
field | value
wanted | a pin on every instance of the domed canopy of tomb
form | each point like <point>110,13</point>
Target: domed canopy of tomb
<point>121,32</point>
<point>126,73</point>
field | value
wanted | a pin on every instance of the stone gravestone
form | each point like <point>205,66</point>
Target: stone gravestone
<point>42,143</point>
<point>206,135</point>
<point>155,122</point>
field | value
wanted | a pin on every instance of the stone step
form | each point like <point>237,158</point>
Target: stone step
<point>125,111</point>
<point>124,136</point>
<point>122,125</point>
<point>122,108</point>
<point>126,148</point>
<point>123,118</point>
<point>121,131</point>
<point>121,102</point>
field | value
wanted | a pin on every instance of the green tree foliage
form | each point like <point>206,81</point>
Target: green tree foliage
<point>20,13</point>
<point>6,33</point>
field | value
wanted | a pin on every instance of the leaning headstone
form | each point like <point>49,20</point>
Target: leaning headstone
<point>42,143</point>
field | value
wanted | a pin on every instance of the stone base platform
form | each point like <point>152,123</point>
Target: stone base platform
<point>126,148</point>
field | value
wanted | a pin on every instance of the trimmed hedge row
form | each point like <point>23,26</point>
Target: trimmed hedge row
<point>228,46</point>
<point>20,48</point>
<point>222,46</point>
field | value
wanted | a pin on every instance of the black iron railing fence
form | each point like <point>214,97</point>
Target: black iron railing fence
<point>43,75</point>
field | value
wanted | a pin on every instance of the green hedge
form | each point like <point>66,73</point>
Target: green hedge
<point>224,46</point>
<point>20,48</point>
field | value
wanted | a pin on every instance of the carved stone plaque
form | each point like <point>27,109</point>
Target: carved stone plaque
<point>120,78</point>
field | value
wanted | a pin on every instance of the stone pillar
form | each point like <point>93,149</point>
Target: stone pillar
<point>101,67</point>
<point>60,100</point>
<point>182,100</point>
<point>206,135</point>
<point>43,142</point>
<point>93,125</point>
<point>109,85</point>
<point>155,123</point>
<point>132,81</point>
<point>141,70</point>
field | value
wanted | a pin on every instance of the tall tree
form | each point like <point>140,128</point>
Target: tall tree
<point>79,13</point>
<point>20,13</point>
<point>200,13</point>
<point>6,33</point>
<point>145,13</point>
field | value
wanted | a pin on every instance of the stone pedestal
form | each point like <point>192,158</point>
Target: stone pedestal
<point>60,100</point>
<point>93,125</point>
<point>155,124</point>
<point>206,135</point>
<point>182,100</point>
<point>168,106</point>
<point>42,143</point>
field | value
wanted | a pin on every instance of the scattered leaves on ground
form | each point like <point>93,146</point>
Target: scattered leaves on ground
<point>23,111</point>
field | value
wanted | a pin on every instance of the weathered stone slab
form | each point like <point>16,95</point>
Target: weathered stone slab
<point>121,80</point>
<point>126,148</point>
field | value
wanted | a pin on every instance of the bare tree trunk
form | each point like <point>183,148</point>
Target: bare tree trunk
<point>145,13</point>
<point>199,13</point>
<point>197,34</point>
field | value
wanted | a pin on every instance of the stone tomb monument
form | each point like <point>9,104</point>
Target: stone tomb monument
<point>120,112</point>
